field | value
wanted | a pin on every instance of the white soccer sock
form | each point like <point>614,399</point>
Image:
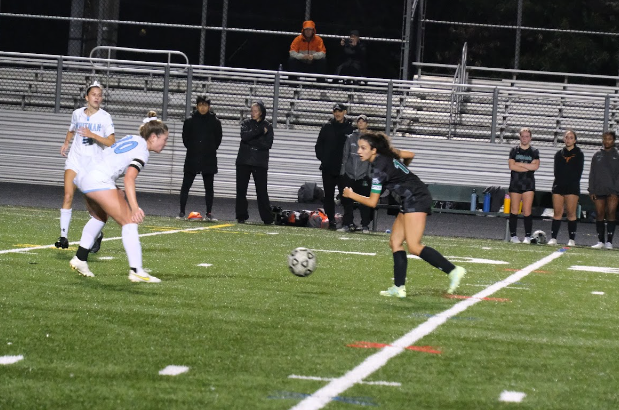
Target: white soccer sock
<point>131,242</point>
<point>91,232</point>
<point>65,221</point>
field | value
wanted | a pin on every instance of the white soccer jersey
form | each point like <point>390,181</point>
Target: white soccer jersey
<point>99,123</point>
<point>113,162</point>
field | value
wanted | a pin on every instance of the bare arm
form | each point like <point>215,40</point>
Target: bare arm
<point>67,141</point>
<point>137,215</point>
<point>108,142</point>
<point>370,201</point>
<point>522,167</point>
<point>405,155</point>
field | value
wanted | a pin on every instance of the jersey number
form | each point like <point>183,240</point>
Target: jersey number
<point>123,146</point>
<point>401,166</point>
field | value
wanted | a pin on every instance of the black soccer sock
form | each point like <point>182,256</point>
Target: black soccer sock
<point>599,227</point>
<point>434,258</point>
<point>528,225</point>
<point>610,230</point>
<point>554,229</point>
<point>571,229</point>
<point>82,254</point>
<point>513,220</point>
<point>400,263</point>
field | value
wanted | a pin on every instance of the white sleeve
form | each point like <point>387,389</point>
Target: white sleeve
<point>109,127</point>
<point>73,125</point>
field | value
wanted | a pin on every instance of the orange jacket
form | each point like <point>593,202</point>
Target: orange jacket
<point>302,46</point>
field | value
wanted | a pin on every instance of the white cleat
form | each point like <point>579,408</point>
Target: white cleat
<point>515,239</point>
<point>81,267</point>
<point>527,240</point>
<point>608,245</point>
<point>571,242</point>
<point>598,245</point>
<point>552,241</point>
<point>142,276</point>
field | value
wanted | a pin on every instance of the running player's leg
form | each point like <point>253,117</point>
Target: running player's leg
<point>66,209</point>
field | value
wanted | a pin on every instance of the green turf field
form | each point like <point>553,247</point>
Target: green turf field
<point>244,325</point>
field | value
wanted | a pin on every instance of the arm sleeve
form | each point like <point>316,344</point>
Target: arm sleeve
<point>109,129</point>
<point>266,140</point>
<point>320,144</point>
<point>249,130</point>
<point>581,163</point>
<point>345,155</point>
<point>556,164</point>
<point>294,49</point>
<point>592,172</point>
<point>218,133</point>
<point>73,125</point>
<point>321,50</point>
<point>186,132</point>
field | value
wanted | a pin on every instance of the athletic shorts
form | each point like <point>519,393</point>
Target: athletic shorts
<point>416,203</point>
<point>92,181</point>
<point>77,162</point>
<point>573,189</point>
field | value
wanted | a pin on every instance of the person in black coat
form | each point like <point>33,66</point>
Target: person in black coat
<point>253,160</point>
<point>202,137</point>
<point>329,150</point>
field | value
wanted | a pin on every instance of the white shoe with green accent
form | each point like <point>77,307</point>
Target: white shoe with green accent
<point>395,291</point>
<point>455,276</point>
<point>81,267</point>
<point>142,276</point>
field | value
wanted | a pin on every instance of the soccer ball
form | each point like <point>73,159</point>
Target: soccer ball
<point>302,262</point>
<point>539,237</point>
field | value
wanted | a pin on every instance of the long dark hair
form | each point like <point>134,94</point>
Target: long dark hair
<point>381,142</point>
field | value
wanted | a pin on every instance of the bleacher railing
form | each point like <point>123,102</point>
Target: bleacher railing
<point>490,111</point>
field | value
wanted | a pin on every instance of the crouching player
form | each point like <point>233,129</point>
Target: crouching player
<point>415,205</point>
<point>103,199</point>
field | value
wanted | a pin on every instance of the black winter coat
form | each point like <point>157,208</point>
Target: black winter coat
<point>330,145</point>
<point>255,143</point>
<point>201,137</point>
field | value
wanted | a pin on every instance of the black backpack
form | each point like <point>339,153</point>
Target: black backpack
<point>310,192</point>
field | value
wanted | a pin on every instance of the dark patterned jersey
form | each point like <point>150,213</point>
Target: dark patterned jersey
<point>523,181</point>
<point>389,173</point>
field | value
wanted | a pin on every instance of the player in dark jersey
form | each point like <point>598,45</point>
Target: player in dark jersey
<point>523,162</point>
<point>569,163</point>
<point>415,205</point>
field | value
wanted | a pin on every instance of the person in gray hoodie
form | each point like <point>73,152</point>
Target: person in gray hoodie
<point>356,174</point>
<point>604,189</point>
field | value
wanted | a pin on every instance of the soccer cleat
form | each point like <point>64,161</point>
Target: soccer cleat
<point>598,245</point>
<point>394,291</point>
<point>455,276</point>
<point>365,229</point>
<point>552,241</point>
<point>527,240</point>
<point>62,242</point>
<point>181,215</point>
<point>608,245</point>
<point>571,242</point>
<point>142,276</point>
<point>81,267</point>
<point>97,245</point>
<point>209,218</point>
<point>515,239</point>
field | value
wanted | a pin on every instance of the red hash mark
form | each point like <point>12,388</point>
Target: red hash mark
<point>468,297</point>
<point>516,270</point>
<point>372,345</point>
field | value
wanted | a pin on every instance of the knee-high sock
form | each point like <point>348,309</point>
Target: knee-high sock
<point>434,258</point>
<point>131,242</point>
<point>400,263</point>
<point>91,232</point>
<point>554,229</point>
<point>610,230</point>
<point>65,221</point>
<point>513,220</point>
<point>528,225</point>
<point>571,228</point>
<point>599,227</point>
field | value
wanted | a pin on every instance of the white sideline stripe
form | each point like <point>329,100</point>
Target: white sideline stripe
<point>323,396</point>
<point>10,359</point>
<point>598,269</point>
<point>348,253</point>
<point>328,379</point>
<point>18,250</point>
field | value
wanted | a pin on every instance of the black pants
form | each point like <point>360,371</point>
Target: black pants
<point>316,66</point>
<point>188,178</point>
<point>329,182</point>
<point>243,172</point>
<point>361,187</point>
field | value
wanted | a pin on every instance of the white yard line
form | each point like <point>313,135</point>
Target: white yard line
<point>328,379</point>
<point>323,396</point>
<point>346,252</point>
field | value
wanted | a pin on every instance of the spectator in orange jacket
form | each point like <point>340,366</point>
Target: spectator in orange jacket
<point>307,51</point>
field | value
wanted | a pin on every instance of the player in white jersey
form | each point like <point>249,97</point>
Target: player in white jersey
<point>95,130</point>
<point>103,199</point>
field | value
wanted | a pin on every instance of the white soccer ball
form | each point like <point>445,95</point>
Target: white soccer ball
<point>539,237</point>
<point>302,262</point>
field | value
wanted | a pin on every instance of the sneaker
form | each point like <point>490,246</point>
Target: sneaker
<point>598,245</point>
<point>342,229</point>
<point>527,240</point>
<point>142,276</point>
<point>241,221</point>
<point>97,245</point>
<point>181,215</point>
<point>571,242</point>
<point>397,291</point>
<point>365,229</point>
<point>81,267</point>
<point>62,242</point>
<point>515,239</point>
<point>209,218</point>
<point>454,278</point>
<point>608,245</point>
<point>552,241</point>
<point>332,227</point>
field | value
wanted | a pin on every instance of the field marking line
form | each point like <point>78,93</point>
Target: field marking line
<point>18,250</point>
<point>323,396</point>
<point>328,379</point>
<point>346,252</point>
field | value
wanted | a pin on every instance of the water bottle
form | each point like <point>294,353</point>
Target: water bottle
<point>507,204</point>
<point>487,202</point>
<point>474,201</point>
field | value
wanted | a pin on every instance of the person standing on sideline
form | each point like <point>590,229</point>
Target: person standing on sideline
<point>253,160</point>
<point>523,162</point>
<point>415,203</point>
<point>95,130</point>
<point>604,189</point>
<point>202,137</point>
<point>104,199</point>
<point>329,150</point>
<point>356,174</point>
<point>569,163</point>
